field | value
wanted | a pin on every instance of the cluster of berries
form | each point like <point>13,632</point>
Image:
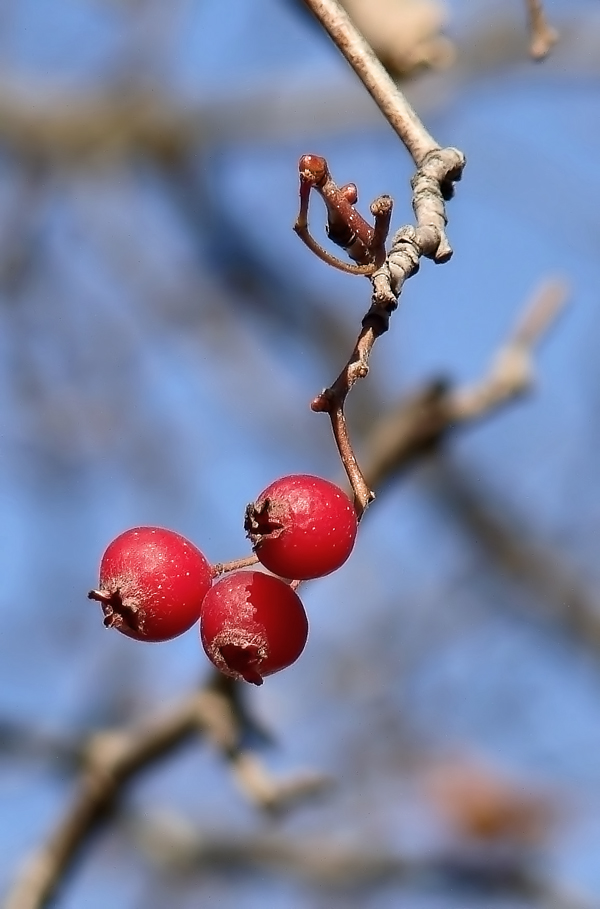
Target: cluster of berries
<point>155,584</point>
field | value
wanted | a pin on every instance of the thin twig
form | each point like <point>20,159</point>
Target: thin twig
<point>542,36</point>
<point>331,401</point>
<point>374,77</point>
<point>363,496</point>
<point>220,568</point>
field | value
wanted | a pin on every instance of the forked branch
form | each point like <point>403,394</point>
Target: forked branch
<point>432,185</point>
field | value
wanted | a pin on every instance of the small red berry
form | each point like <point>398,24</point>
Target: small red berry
<point>302,527</point>
<point>152,584</point>
<point>252,625</point>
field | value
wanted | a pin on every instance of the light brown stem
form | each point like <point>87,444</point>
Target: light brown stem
<point>390,100</point>
<point>220,568</point>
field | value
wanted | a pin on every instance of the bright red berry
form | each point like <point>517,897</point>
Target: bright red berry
<point>152,584</point>
<point>252,625</point>
<point>302,527</point>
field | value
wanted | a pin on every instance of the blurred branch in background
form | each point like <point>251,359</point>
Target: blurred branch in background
<point>176,845</point>
<point>423,420</point>
<point>543,36</point>
<point>112,757</point>
<point>405,35</point>
<point>66,126</point>
<point>555,585</point>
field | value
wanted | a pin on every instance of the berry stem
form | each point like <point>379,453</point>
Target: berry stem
<point>220,568</point>
<point>363,496</point>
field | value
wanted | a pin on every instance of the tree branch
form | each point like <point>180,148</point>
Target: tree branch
<point>388,97</point>
<point>112,757</point>
<point>173,843</point>
<point>432,186</point>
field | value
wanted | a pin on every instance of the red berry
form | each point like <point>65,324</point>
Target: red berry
<point>302,527</point>
<point>252,625</point>
<point>152,584</point>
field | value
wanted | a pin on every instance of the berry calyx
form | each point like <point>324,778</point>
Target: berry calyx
<point>152,584</point>
<point>252,625</point>
<point>302,527</point>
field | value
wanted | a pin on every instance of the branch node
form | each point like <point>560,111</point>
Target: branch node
<point>323,401</point>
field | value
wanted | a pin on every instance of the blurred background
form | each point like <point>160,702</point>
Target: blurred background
<point>162,332</point>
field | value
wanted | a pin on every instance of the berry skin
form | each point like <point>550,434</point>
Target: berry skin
<point>152,584</point>
<point>301,527</point>
<point>252,625</point>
